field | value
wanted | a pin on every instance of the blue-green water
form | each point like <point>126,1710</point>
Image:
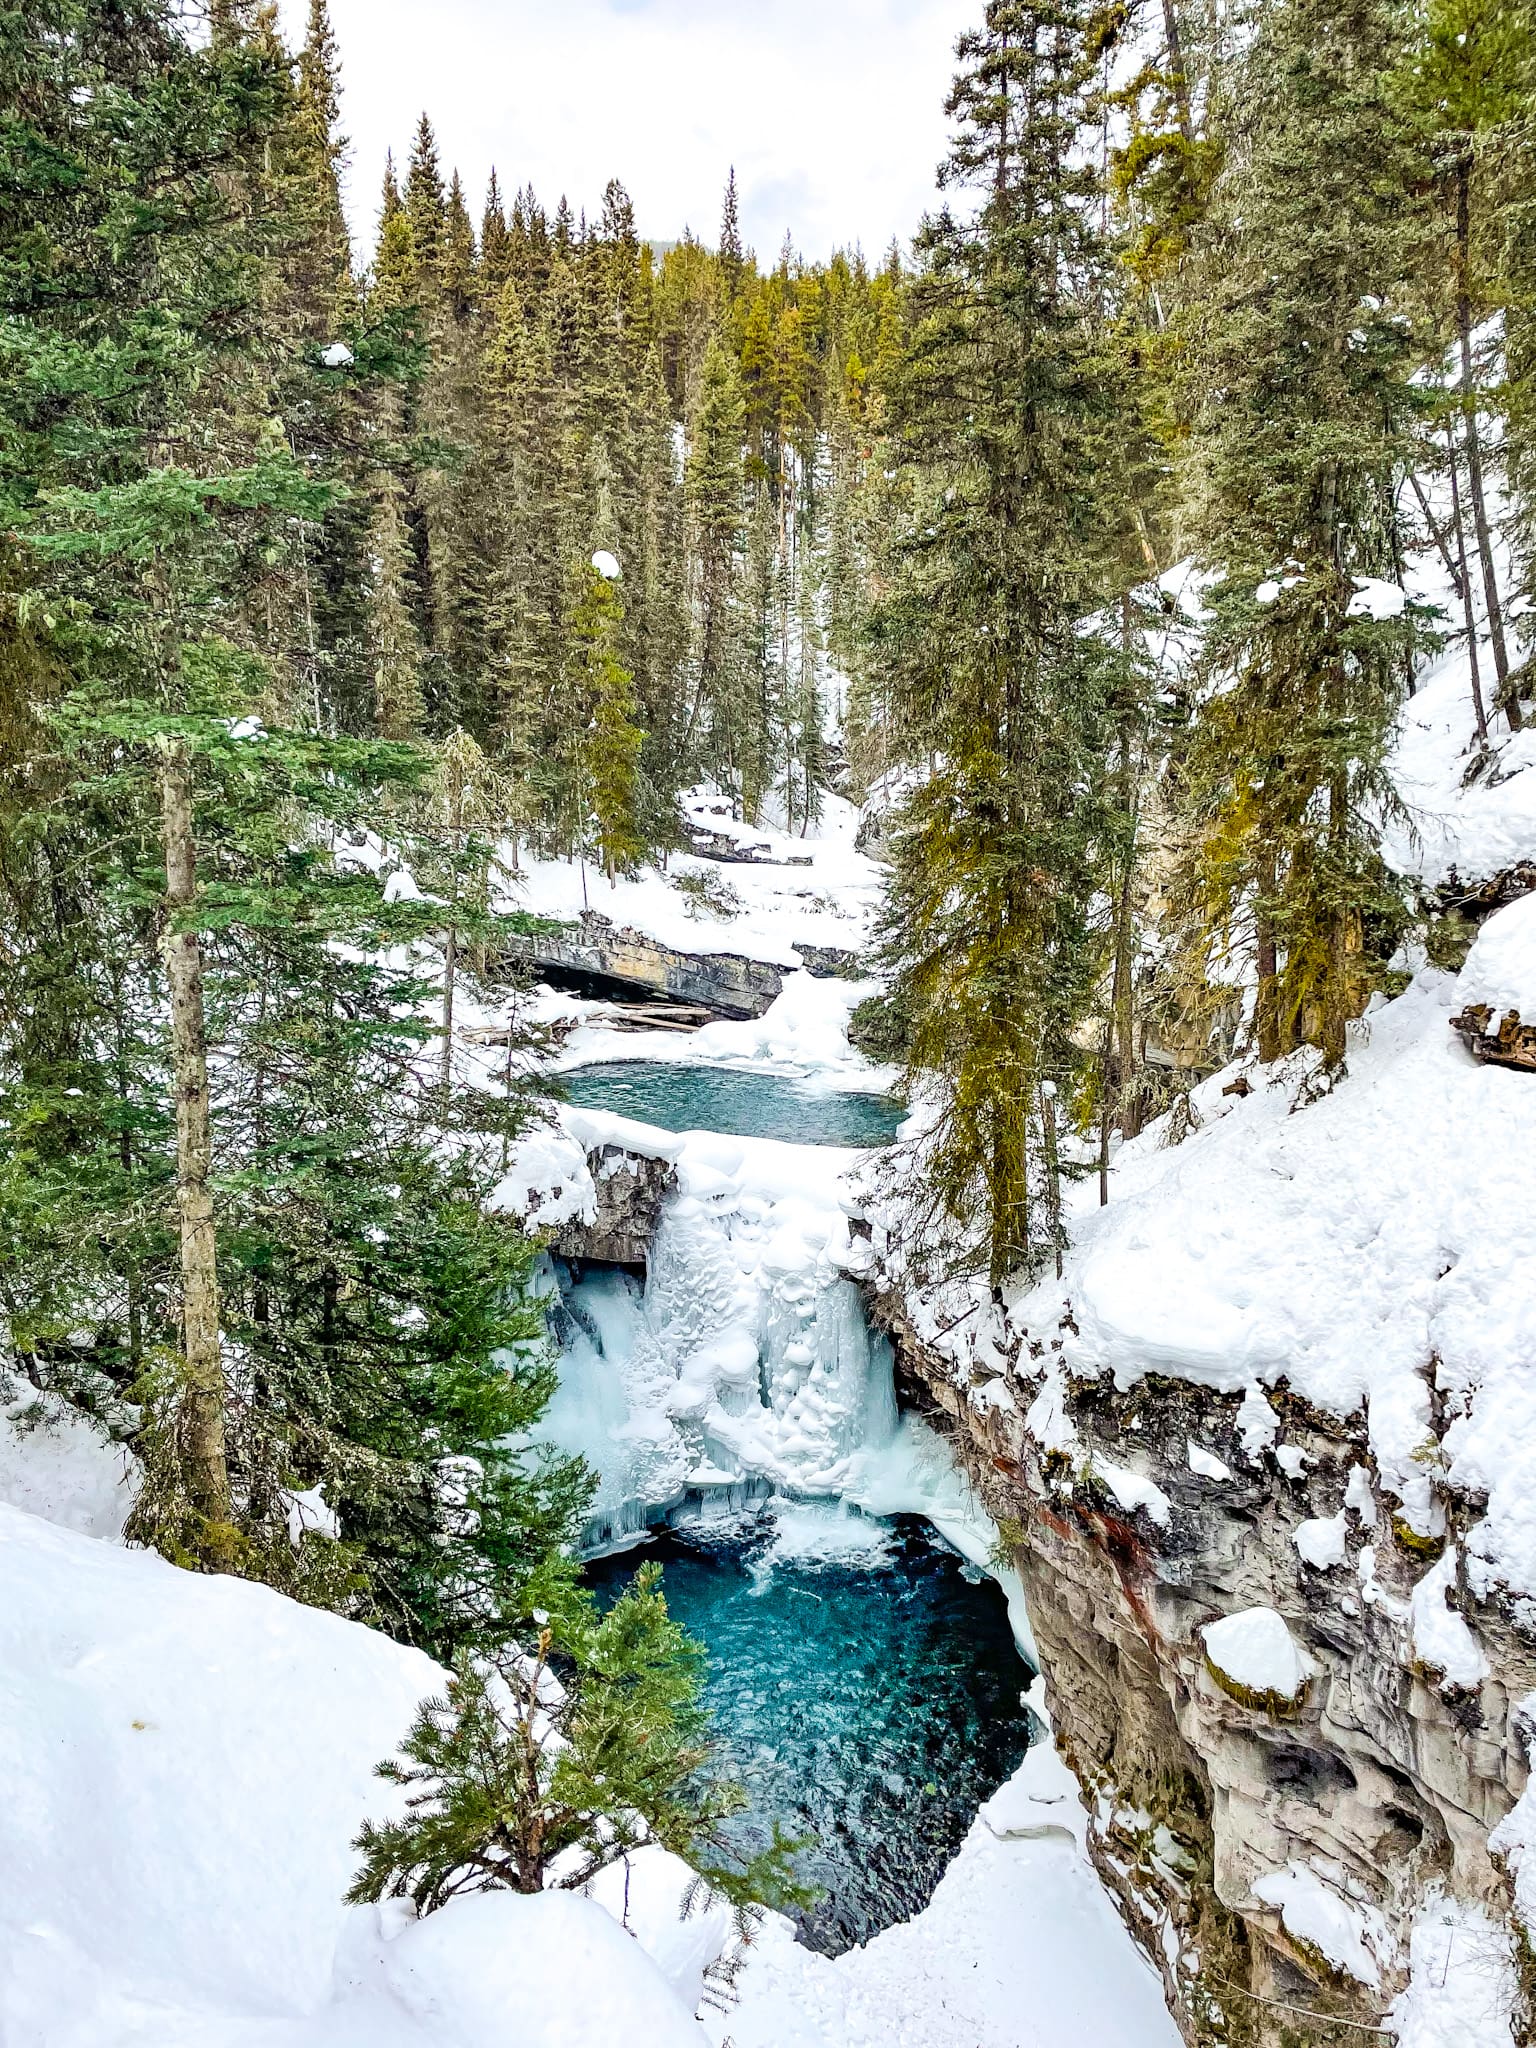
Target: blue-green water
<point>740,1104</point>
<point>864,1687</point>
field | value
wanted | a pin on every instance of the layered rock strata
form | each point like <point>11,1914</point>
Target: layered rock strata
<point>1219,1811</point>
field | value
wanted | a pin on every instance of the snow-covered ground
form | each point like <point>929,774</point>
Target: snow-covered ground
<point>189,1757</point>
<point>816,890</point>
<point>1364,1249</point>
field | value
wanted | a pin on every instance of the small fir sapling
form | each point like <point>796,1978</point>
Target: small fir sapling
<point>538,1769</point>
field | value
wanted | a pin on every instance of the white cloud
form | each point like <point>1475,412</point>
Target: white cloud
<point>831,110</point>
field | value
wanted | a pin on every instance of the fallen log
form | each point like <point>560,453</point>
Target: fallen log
<point>1512,1045</point>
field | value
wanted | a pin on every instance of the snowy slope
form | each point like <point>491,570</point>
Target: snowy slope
<point>1020,1945</point>
<point>189,1757</point>
<point>816,891</point>
<point>1450,825</point>
<point>1359,1249</point>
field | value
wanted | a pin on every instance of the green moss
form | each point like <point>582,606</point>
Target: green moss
<point>1410,1539</point>
<point>881,1029</point>
<point>1277,1705</point>
<point>1448,940</point>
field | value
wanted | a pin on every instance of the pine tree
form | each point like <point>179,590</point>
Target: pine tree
<point>993,672</point>
<point>714,484</point>
<point>1294,482</point>
<point>605,739</point>
<point>426,208</point>
<point>268,1251</point>
<point>527,1779</point>
<point>732,254</point>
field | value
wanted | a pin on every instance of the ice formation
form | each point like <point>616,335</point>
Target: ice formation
<point>742,1365</point>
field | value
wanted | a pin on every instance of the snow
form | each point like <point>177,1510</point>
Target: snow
<point>1500,969</point>
<point>1133,1490</point>
<point>829,901</point>
<point>57,1463</point>
<point>309,1513</point>
<point>400,887</point>
<point>1358,1497</point>
<point>1352,1248</point>
<point>1453,828</point>
<point>1205,1463</point>
<point>1256,1650</point>
<point>1374,599</point>
<point>139,1702</point>
<point>1350,1935</point>
<point>1257,1424</point>
<point>1461,1987</point>
<point>1441,1638</point>
<point>1321,1542</point>
<point>1019,1943</point>
<point>547,1182</point>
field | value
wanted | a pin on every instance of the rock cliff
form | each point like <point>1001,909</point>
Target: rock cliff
<point>1272,1858</point>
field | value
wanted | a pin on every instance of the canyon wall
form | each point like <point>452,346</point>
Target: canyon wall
<point>1385,1774</point>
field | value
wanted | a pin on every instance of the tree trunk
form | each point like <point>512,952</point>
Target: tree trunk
<point>1504,696</point>
<point>1336,1000</point>
<point>133,1279</point>
<point>1266,1014</point>
<point>1125,934</point>
<point>451,945</point>
<point>202,1414</point>
<point>1052,1167</point>
<point>450,978</point>
<point>1463,584</point>
<point>1176,73</point>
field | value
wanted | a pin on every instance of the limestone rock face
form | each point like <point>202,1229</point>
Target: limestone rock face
<point>727,983</point>
<point>1379,1781</point>
<point>630,1192</point>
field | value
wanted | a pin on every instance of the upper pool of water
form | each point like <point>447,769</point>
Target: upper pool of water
<point>865,1688</point>
<point>739,1103</point>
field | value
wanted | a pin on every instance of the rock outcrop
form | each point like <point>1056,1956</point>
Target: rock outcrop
<point>1215,1808</point>
<point>604,958</point>
<point>630,1190</point>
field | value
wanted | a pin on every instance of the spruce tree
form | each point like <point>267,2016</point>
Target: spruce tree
<point>714,486</point>
<point>997,679</point>
<point>605,739</point>
<point>544,1767</point>
<point>1300,426</point>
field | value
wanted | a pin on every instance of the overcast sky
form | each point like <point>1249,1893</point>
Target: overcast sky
<point>831,110</point>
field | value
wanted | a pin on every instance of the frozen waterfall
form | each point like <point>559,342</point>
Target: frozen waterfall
<point>744,1365</point>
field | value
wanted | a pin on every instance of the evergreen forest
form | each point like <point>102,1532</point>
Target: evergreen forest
<point>486,542</point>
